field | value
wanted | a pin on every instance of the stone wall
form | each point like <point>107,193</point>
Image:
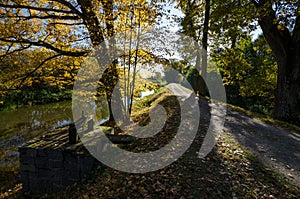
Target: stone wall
<point>49,163</point>
<point>46,171</point>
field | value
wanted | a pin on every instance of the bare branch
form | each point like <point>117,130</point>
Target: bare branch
<point>67,24</point>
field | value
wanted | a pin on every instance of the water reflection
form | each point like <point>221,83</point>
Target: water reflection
<point>21,125</point>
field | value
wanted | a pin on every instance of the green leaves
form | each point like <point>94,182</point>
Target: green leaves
<point>249,72</point>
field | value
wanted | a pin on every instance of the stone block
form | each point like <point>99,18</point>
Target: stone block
<point>27,167</point>
<point>71,163</point>
<point>55,163</point>
<point>41,152</point>
<point>30,152</point>
<point>45,174</point>
<point>57,187</point>
<point>26,159</point>
<point>71,173</point>
<point>42,163</point>
<point>58,174</point>
<point>39,186</point>
<point>86,164</point>
<point>69,181</point>
<point>45,170</point>
<point>55,155</point>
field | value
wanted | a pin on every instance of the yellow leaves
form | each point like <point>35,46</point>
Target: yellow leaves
<point>255,48</point>
<point>280,27</point>
<point>77,62</point>
<point>58,72</point>
<point>67,75</point>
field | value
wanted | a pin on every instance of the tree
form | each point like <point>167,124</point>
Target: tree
<point>68,28</point>
<point>249,73</point>
<point>21,82</point>
<point>280,23</point>
<point>205,45</point>
<point>192,26</point>
<point>213,24</point>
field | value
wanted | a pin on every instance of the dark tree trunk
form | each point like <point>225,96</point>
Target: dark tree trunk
<point>196,74</point>
<point>112,72</point>
<point>286,48</point>
<point>287,104</point>
<point>204,47</point>
<point>110,82</point>
<point>110,76</point>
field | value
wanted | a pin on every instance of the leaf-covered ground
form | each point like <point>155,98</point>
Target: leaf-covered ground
<point>228,171</point>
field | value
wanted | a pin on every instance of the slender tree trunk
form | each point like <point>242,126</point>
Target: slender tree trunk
<point>197,75</point>
<point>113,74</point>
<point>110,82</point>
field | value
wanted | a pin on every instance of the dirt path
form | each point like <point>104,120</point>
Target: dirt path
<point>275,147</point>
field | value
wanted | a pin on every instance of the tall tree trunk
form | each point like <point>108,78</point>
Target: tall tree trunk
<point>204,48</point>
<point>113,74</point>
<point>288,87</point>
<point>197,80</point>
<point>110,76</point>
<point>286,48</point>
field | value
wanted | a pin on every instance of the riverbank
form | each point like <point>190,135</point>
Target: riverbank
<point>231,169</point>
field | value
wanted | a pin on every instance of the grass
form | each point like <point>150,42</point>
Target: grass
<point>277,123</point>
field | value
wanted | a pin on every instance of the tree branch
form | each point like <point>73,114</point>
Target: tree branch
<point>91,22</point>
<point>36,68</point>
<point>277,39</point>
<point>66,17</point>
<point>16,50</point>
<point>70,6</point>
<point>259,3</point>
<point>67,24</point>
<point>48,46</point>
<point>36,8</point>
